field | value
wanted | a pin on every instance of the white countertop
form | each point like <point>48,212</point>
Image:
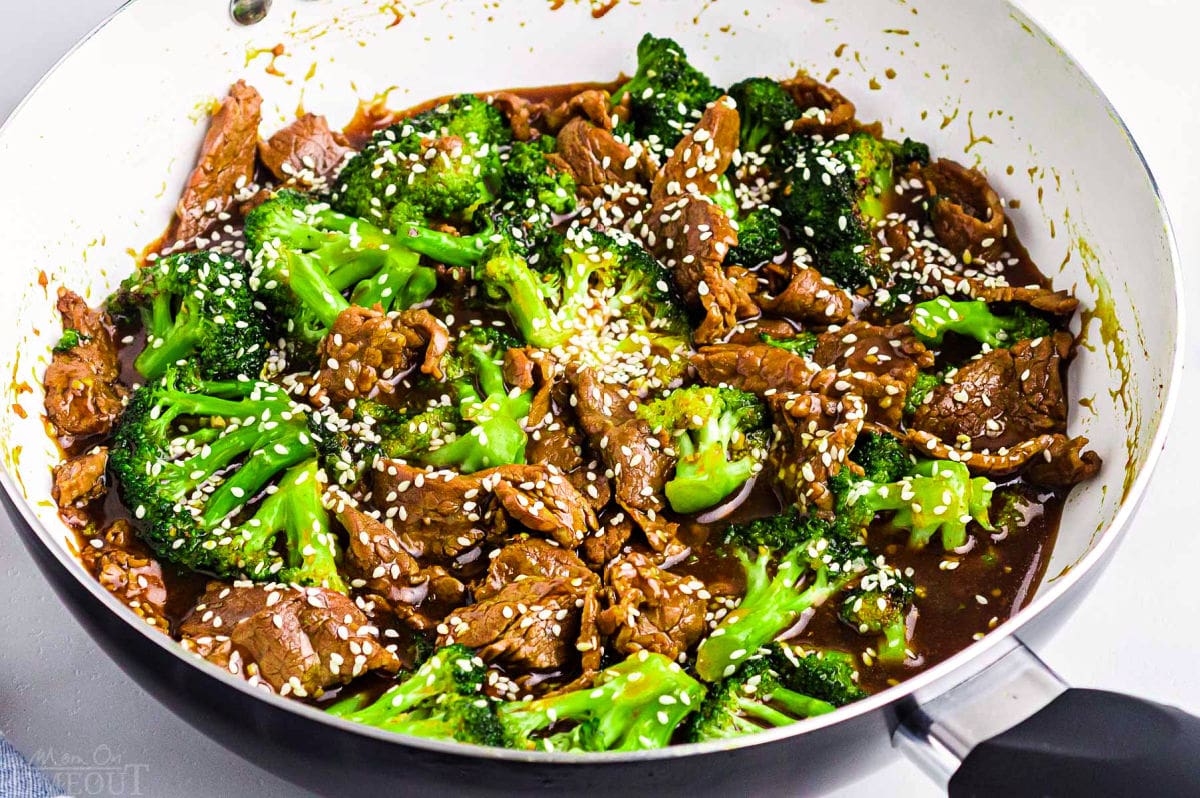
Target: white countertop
<point>59,693</point>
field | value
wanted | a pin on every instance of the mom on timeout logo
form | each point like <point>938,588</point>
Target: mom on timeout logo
<point>102,773</point>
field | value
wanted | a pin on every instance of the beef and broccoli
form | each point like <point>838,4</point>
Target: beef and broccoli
<point>586,418</point>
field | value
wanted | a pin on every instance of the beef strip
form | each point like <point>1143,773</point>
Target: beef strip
<point>594,158</point>
<point>128,570</point>
<point>368,350</point>
<point>759,368</point>
<point>225,166</point>
<point>1051,459</point>
<point>691,236</point>
<point>966,214</point>
<point>542,499</point>
<point>534,558</point>
<point>378,565</point>
<point>814,435</point>
<point>638,461</point>
<point>1058,303</point>
<point>651,609</point>
<point>77,482</point>
<point>808,297</point>
<point>1063,463</point>
<point>825,109</point>
<point>594,105</point>
<point>83,394</point>
<point>607,542</point>
<point>878,363</point>
<point>298,641</point>
<point>702,156</point>
<point>1002,397</point>
<point>520,112</point>
<point>306,152</point>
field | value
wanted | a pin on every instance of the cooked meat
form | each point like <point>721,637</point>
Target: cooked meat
<point>608,541</point>
<point>530,624</point>
<point>306,151</point>
<point>367,351</point>
<point>636,458</point>
<point>691,236</point>
<point>967,215</point>
<point>760,368</point>
<point>83,394</point>
<point>1002,397</point>
<point>816,433</point>
<point>590,104</point>
<point>126,568</point>
<point>1054,460</point>
<point>442,514</point>
<point>1058,303</point>
<point>880,364</point>
<point>1064,463</point>
<point>520,113</point>
<point>225,167</point>
<point>702,156</point>
<point>533,558</point>
<point>377,564</point>
<point>78,481</point>
<point>826,110</point>
<point>749,333</point>
<point>299,641</point>
<point>595,158</point>
<point>651,609</point>
<point>808,297</point>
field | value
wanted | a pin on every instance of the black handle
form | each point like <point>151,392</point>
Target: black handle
<point>1088,743</point>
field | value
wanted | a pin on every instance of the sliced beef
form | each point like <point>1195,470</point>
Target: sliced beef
<point>636,458</point>
<point>702,156</point>
<point>759,368</point>
<point>651,609</point>
<point>543,500</point>
<point>1064,463</point>
<point>127,569</point>
<point>299,641</point>
<point>967,215</point>
<point>83,394</point>
<point>691,236</point>
<point>1051,459</point>
<point>225,166</point>
<point>595,158</point>
<point>808,297</point>
<point>77,482</point>
<point>815,434</point>
<point>306,152</point>
<point>378,565</point>
<point>520,113</point>
<point>825,110</point>
<point>607,542</point>
<point>878,363</point>
<point>367,351</point>
<point>1047,300</point>
<point>534,558</point>
<point>594,105</point>
<point>1002,397</point>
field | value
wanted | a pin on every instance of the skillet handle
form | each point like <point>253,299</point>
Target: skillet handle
<point>1016,729</point>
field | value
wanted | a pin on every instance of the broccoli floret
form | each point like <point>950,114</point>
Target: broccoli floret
<point>781,532</point>
<point>411,166</point>
<point>635,705</point>
<point>880,606</point>
<point>922,386</point>
<point>71,339</point>
<point>529,176</point>
<point>803,343</point>
<point>908,152</point>
<point>443,699</point>
<point>191,456</point>
<point>720,437</point>
<point>305,256</point>
<point>495,434</point>
<point>833,194</point>
<point>666,93</point>
<point>405,435</point>
<point>973,318</point>
<point>764,107</point>
<point>196,307</point>
<point>806,575</point>
<point>760,238</point>
<point>883,458</point>
<point>939,496</point>
<point>775,687</point>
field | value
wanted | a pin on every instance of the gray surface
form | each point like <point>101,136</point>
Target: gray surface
<point>59,695</point>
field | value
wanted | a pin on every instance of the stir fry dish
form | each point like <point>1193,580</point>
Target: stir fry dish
<point>583,418</point>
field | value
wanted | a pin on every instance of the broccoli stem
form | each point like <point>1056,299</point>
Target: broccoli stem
<point>526,300</point>
<point>800,706</point>
<point>168,343</point>
<point>296,508</point>
<point>705,475</point>
<point>273,453</point>
<point>314,289</point>
<point>895,645</point>
<point>443,247</point>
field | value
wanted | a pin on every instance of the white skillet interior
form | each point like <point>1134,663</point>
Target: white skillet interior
<point>94,160</point>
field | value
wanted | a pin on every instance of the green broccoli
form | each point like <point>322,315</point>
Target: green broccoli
<point>812,563</point>
<point>908,152</point>
<point>635,705</point>
<point>760,238</point>
<point>973,318</point>
<point>833,194</point>
<point>528,178</point>
<point>720,436</point>
<point>443,699</point>
<point>195,307</point>
<point>764,107</point>
<point>775,688</point>
<point>919,393</point>
<point>192,455</point>
<point>803,343</point>
<point>666,93</point>
<point>880,605</point>
<point>406,435</point>
<point>71,339</point>
<point>407,171</point>
<point>305,256</point>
